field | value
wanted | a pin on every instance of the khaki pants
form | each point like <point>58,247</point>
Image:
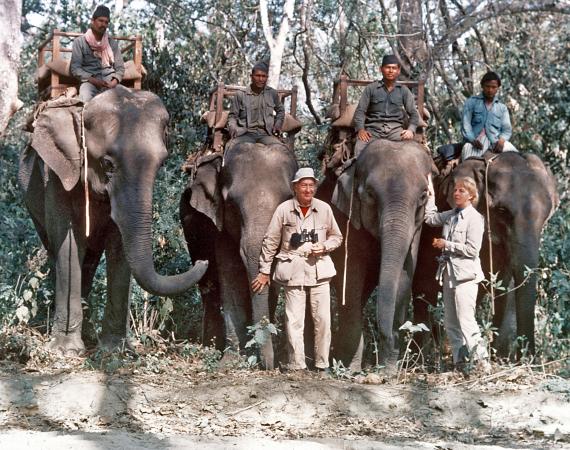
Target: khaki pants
<point>87,90</point>
<point>388,132</point>
<point>459,319</point>
<point>320,301</point>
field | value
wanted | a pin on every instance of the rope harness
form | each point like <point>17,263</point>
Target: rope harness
<point>85,183</point>
<point>488,213</point>
<point>346,244</point>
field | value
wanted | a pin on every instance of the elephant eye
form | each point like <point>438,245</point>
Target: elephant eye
<point>107,165</point>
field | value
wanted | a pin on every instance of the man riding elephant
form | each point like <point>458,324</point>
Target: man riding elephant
<point>380,111</point>
<point>251,118</point>
<point>96,58</point>
<point>486,124</point>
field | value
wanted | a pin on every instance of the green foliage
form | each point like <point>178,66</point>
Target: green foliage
<point>340,372</point>
<point>553,303</point>
<point>261,332</point>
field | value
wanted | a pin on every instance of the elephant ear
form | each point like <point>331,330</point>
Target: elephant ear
<point>206,191</point>
<point>345,196</point>
<point>56,140</point>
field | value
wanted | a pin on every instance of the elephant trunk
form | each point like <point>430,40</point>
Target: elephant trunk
<point>131,208</point>
<point>395,241</point>
<point>250,250</point>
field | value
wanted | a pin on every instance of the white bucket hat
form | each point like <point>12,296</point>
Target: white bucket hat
<point>304,172</point>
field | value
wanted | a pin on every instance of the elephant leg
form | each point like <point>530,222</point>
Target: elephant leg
<point>234,291</point>
<point>360,281</point>
<point>212,318</point>
<point>425,287</point>
<point>504,316</point>
<point>116,317</point>
<point>402,302</point>
<point>68,251</point>
<point>525,304</point>
<point>260,309</point>
<point>89,268</point>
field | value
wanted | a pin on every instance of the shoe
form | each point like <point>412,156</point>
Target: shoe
<point>324,372</point>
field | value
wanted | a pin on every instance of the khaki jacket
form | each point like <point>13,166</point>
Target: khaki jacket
<point>296,267</point>
<point>239,118</point>
<point>463,241</point>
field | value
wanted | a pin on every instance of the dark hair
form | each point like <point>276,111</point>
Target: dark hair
<point>260,65</point>
<point>490,76</point>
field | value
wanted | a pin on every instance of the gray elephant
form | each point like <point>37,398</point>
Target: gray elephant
<point>238,194</point>
<point>124,134</point>
<point>522,196</point>
<point>383,193</point>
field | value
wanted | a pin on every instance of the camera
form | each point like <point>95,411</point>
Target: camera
<point>297,239</point>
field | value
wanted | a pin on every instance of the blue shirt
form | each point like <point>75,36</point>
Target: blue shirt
<point>495,121</point>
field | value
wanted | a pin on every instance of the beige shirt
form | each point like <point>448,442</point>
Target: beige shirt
<point>295,266</point>
<point>463,234</point>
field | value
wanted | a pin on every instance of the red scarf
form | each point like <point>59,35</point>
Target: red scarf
<point>101,49</point>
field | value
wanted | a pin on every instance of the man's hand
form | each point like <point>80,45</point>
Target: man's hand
<point>438,243</point>
<point>260,281</point>
<point>98,83</point>
<point>111,84</point>
<point>499,146</point>
<point>406,135</point>
<point>364,135</point>
<point>477,144</point>
<point>318,249</point>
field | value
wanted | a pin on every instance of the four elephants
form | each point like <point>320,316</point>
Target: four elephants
<point>124,134</point>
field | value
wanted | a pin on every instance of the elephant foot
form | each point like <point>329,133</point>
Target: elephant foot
<point>231,359</point>
<point>115,343</point>
<point>267,357</point>
<point>66,345</point>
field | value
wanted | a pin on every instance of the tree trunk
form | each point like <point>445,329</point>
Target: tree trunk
<point>412,44</point>
<point>10,42</point>
<point>276,44</point>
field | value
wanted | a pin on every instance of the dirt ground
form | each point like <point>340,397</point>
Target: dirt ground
<point>168,401</point>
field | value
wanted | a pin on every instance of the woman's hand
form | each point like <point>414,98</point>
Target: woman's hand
<point>431,191</point>
<point>438,243</point>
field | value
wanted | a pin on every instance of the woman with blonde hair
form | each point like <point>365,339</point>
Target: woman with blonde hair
<point>459,269</point>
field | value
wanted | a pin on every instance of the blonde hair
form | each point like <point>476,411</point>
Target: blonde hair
<point>469,184</point>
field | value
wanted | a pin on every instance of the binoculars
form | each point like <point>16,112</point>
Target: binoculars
<point>297,239</point>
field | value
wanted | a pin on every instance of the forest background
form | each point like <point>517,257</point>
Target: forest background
<point>190,45</point>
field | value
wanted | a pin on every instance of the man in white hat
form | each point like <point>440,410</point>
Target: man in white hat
<point>307,232</point>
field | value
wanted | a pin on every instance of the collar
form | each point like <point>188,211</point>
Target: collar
<point>482,98</point>
<point>249,90</point>
<point>297,205</point>
<point>381,84</point>
<point>462,212</point>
